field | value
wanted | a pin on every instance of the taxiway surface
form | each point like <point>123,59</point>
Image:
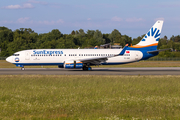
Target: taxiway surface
<point>95,71</point>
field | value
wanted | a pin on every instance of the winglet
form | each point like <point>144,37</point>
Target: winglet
<point>124,49</point>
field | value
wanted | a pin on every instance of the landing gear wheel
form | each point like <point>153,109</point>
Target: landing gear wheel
<point>89,68</point>
<point>22,68</point>
<point>85,68</point>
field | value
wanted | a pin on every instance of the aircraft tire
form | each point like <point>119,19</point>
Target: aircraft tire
<point>89,68</point>
<point>22,68</point>
<point>85,68</point>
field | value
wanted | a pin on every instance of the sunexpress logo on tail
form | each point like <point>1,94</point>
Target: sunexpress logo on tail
<point>46,52</point>
<point>153,32</point>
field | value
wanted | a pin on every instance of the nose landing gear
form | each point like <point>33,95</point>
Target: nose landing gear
<point>22,68</point>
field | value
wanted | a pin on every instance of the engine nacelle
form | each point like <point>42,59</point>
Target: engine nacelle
<point>73,64</point>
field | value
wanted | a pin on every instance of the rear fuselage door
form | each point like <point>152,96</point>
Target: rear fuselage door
<point>137,56</point>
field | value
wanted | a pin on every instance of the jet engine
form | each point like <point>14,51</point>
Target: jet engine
<point>73,64</point>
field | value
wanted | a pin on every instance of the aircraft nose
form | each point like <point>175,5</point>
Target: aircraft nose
<point>8,59</point>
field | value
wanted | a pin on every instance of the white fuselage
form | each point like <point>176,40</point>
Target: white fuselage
<point>59,56</point>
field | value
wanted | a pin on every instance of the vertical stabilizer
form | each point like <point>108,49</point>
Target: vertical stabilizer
<point>152,37</point>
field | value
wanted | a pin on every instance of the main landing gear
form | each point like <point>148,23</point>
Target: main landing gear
<point>87,68</point>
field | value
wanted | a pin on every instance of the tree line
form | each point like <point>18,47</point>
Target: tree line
<point>26,38</point>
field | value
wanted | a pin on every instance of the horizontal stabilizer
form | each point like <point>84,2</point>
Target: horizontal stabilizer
<point>155,51</point>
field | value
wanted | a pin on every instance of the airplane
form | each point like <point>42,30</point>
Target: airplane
<point>85,58</point>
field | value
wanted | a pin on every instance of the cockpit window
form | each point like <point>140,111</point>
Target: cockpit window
<point>15,54</point>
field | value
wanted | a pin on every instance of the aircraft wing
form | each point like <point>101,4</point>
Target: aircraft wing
<point>99,60</point>
<point>94,61</point>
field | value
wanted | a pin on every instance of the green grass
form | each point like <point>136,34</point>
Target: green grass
<point>89,97</point>
<point>4,64</point>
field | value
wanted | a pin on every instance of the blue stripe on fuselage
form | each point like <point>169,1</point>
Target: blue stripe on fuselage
<point>30,64</point>
<point>61,64</point>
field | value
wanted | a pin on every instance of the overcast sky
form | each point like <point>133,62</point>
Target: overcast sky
<point>130,17</point>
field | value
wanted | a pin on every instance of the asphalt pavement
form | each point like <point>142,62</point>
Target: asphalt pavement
<point>95,71</point>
